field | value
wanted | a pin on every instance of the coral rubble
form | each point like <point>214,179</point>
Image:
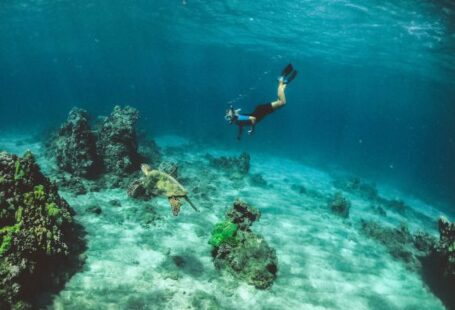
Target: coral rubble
<point>74,145</point>
<point>40,241</point>
<point>241,252</point>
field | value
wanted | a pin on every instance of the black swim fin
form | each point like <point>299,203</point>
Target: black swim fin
<point>288,69</point>
<point>291,77</point>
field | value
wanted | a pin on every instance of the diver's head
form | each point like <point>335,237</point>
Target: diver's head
<point>231,114</point>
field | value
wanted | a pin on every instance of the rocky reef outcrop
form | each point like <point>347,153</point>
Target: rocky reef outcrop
<point>117,141</point>
<point>339,205</point>
<point>108,155</point>
<point>439,265</point>
<point>444,250</point>
<point>234,167</point>
<point>39,241</point>
<point>74,145</point>
<point>241,252</point>
<point>401,243</point>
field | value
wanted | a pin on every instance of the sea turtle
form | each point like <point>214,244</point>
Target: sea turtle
<point>159,183</point>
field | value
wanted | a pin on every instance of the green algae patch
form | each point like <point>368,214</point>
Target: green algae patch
<point>223,232</point>
<point>6,235</point>
<point>39,193</point>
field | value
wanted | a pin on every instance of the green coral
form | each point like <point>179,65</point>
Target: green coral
<point>52,209</point>
<point>223,232</point>
<point>39,193</point>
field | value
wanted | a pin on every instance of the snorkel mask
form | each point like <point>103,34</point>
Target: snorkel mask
<point>231,114</point>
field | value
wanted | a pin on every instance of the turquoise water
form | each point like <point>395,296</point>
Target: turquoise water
<point>375,88</point>
<point>374,98</point>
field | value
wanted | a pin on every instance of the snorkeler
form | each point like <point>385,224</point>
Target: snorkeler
<point>233,116</point>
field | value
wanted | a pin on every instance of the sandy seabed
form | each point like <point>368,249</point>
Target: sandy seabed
<point>142,257</point>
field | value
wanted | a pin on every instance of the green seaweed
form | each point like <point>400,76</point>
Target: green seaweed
<point>18,172</point>
<point>52,209</point>
<point>223,232</point>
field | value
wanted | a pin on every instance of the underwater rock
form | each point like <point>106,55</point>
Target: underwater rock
<point>340,205</point>
<point>368,191</point>
<point>444,250</point>
<point>39,241</point>
<point>356,186</point>
<point>242,215</point>
<point>241,252</point>
<point>117,143</point>
<point>400,243</point>
<point>73,184</point>
<point>235,167</point>
<point>74,145</point>
<point>439,264</point>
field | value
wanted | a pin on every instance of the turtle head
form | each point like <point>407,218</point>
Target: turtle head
<point>146,169</point>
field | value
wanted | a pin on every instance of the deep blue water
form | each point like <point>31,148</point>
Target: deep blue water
<point>375,93</point>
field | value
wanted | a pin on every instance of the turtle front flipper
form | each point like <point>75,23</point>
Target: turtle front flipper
<point>175,204</point>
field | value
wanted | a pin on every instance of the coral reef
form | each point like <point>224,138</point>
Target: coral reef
<point>445,248</point>
<point>368,192</point>
<point>340,205</point>
<point>234,167</point>
<point>356,186</point>
<point>243,215</point>
<point>117,143</point>
<point>241,252</point>
<point>74,145</point>
<point>109,155</point>
<point>400,243</point>
<point>40,241</point>
<point>439,266</point>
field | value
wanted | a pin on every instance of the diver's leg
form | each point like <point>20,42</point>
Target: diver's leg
<point>281,101</point>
